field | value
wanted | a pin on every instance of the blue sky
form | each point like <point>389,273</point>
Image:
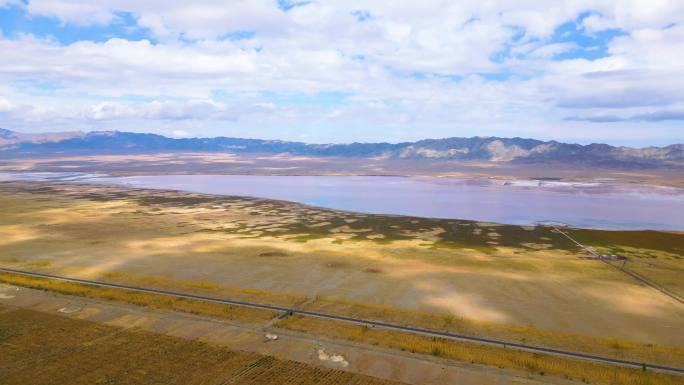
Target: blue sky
<point>340,71</point>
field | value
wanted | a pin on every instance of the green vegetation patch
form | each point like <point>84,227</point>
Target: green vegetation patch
<point>631,243</point>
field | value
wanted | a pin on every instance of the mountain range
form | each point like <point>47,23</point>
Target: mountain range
<point>495,149</point>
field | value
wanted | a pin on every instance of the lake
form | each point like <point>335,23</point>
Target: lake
<point>591,205</point>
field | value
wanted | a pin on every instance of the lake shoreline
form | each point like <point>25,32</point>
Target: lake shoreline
<point>598,205</point>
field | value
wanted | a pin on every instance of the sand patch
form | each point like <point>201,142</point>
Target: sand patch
<point>69,309</point>
<point>336,359</point>
<point>347,229</point>
<point>488,224</point>
<point>432,235</point>
<point>537,246</point>
<point>320,224</point>
<point>292,236</point>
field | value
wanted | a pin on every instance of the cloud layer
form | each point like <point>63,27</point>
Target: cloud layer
<point>588,70</point>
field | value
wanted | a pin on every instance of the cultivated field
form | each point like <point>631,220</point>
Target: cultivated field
<point>39,348</point>
<point>526,284</point>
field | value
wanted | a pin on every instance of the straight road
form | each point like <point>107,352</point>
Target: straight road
<point>384,325</point>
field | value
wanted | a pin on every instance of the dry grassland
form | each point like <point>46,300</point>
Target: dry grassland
<point>510,282</point>
<point>532,363</point>
<point>237,313</point>
<point>657,255</point>
<point>611,347</point>
<point>204,287</point>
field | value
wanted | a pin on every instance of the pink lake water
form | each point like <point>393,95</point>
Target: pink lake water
<point>590,205</point>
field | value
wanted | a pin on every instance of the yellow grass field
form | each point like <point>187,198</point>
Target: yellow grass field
<point>480,354</point>
<point>518,283</point>
<point>530,363</point>
<point>237,313</point>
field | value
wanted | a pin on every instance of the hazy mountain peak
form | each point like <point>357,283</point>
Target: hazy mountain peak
<point>7,134</point>
<point>479,148</point>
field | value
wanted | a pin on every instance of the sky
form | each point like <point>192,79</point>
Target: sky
<point>581,71</point>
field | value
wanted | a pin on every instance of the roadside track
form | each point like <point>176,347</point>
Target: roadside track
<point>375,324</point>
<point>623,269</point>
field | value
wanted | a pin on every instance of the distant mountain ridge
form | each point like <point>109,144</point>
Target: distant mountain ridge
<point>517,150</point>
<point>10,139</point>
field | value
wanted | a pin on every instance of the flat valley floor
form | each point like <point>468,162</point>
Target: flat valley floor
<point>517,283</point>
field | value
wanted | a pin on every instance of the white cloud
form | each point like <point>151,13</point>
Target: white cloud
<point>634,14</point>
<point>159,110</point>
<point>80,13</point>
<point>643,69</point>
<point>180,134</point>
<point>196,19</point>
<point>6,3</point>
<point>6,105</point>
<point>396,67</point>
